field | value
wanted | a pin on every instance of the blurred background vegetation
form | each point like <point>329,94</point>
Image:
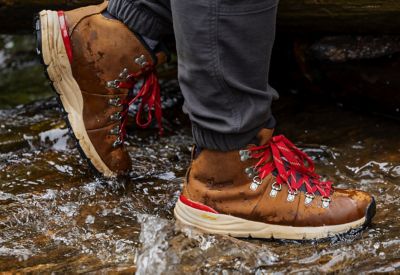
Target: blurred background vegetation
<point>22,78</point>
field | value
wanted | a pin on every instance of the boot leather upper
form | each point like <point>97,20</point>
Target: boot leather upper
<point>218,180</point>
<point>102,48</point>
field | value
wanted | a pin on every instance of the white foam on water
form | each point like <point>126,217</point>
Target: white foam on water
<point>166,176</point>
<point>153,237</point>
<point>58,137</point>
<point>90,219</point>
<point>171,248</point>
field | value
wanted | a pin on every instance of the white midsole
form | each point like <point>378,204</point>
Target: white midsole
<point>60,73</point>
<point>238,227</point>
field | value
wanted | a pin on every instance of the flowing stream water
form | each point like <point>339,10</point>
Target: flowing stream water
<point>56,216</point>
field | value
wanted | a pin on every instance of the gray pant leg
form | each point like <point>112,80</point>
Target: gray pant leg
<point>150,18</point>
<point>224,49</point>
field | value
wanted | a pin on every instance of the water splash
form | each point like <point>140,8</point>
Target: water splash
<point>170,248</point>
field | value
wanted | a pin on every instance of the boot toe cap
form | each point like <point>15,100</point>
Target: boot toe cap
<point>352,205</point>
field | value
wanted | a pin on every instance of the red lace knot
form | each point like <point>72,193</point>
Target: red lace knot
<point>149,97</point>
<point>291,166</point>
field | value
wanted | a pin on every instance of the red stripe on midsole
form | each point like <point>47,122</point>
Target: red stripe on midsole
<point>64,34</point>
<point>196,205</point>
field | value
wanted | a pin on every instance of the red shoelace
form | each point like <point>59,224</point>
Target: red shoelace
<point>291,166</point>
<point>149,96</point>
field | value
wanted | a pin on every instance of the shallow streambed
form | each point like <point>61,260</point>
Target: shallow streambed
<point>56,216</point>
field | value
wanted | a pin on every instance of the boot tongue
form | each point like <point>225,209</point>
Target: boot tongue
<point>264,136</point>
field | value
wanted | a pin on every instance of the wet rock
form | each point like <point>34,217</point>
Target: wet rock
<point>343,16</point>
<point>10,142</point>
<point>338,16</point>
<point>27,9</point>
<point>358,71</point>
<point>347,48</point>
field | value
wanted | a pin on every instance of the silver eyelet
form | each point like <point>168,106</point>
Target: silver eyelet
<point>115,131</point>
<point>326,202</point>
<point>115,101</point>
<point>141,61</point>
<point>124,74</point>
<point>117,142</point>
<point>291,195</point>
<point>113,84</point>
<point>251,172</point>
<point>244,155</point>
<point>275,189</point>
<point>309,198</point>
<point>115,117</point>
<point>255,183</point>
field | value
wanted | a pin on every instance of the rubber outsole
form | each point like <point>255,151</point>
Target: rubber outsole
<point>371,211</point>
<point>39,50</point>
<point>38,38</point>
<point>242,228</point>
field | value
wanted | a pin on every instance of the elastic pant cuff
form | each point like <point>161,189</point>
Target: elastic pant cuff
<point>139,18</point>
<point>211,140</point>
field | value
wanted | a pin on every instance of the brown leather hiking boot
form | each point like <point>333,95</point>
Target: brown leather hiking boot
<point>268,191</point>
<point>93,63</point>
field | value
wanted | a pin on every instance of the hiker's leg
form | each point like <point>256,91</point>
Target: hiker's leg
<point>224,50</point>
